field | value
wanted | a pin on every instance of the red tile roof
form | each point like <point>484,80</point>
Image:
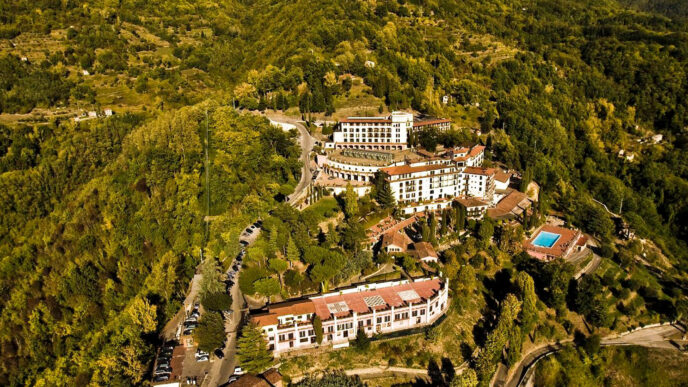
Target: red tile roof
<point>424,249</point>
<point>296,307</point>
<point>479,171</point>
<point>432,121</point>
<point>356,301</point>
<point>470,202</point>
<point>476,150</point>
<point>514,203</point>
<point>397,239</point>
<point>503,176</point>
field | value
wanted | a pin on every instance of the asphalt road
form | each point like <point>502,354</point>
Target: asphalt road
<point>223,368</point>
<point>654,337</point>
<point>306,142</point>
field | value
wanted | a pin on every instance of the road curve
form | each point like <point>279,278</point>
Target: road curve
<point>650,336</point>
<point>306,142</point>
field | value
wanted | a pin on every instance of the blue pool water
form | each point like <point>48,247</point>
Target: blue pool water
<point>546,239</point>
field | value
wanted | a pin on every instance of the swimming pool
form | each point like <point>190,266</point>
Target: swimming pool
<point>546,239</point>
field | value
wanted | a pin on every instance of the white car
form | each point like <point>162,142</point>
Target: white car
<point>202,358</point>
<point>238,371</point>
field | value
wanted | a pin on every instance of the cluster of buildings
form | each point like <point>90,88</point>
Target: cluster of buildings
<point>420,181</point>
<point>375,308</point>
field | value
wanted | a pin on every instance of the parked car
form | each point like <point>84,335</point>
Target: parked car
<point>243,243</point>
<point>238,371</point>
<point>218,352</point>
<point>188,332</point>
<point>161,378</point>
<point>232,379</point>
<point>202,358</point>
<point>201,353</point>
<point>162,371</point>
<point>163,364</point>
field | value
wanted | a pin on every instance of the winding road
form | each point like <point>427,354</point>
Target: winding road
<point>306,141</point>
<point>650,336</point>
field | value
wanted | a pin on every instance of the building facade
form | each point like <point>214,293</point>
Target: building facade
<point>376,308</point>
<point>433,183</point>
<point>379,133</point>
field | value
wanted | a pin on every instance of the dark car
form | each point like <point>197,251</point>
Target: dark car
<point>218,352</point>
<point>243,243</point>
<point>161,378</point>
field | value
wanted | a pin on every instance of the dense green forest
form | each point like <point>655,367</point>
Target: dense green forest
<point>102,220</point>
<point>102,230</point>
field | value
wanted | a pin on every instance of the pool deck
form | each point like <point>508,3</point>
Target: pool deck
<point>562,247</point>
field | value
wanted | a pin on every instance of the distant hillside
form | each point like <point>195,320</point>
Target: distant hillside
<point>675,9</point>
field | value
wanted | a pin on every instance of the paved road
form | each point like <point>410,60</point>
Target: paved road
<point>590,267</point>
<point>306,142</point>
<point>223,368</point>
<point>654,337</point>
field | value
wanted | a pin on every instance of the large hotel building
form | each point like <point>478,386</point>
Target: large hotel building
<point>419,180</point>
<point>382,133</point>
<point>376,308</point>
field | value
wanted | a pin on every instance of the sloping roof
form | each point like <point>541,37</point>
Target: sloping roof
<point>479,171</point>
<point>503,176</point>
<point>430,121</point>
<point>476,150</point>
<point>395,238</point>
<point>424,249</point>
<point>296,307</point>
<point>512,205</point>
<point>250,381</point>
<point>390,295</point>
<point>272,376</point>
<point>470,202</point>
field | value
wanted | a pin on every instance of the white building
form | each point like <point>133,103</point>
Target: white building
<point>432,184</point>
<point>388,133</point>
<point>376,308</point>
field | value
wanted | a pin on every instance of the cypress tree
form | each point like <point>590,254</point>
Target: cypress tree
<point>252,350</point>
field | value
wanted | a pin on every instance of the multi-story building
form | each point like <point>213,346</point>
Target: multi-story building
<point>439,179</point>
<point>374,307</point>
<point>422,123</point>
<point>388,133</point>
<point>480,182</point>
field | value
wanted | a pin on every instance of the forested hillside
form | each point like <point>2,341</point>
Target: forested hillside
<point>102,228</point>
<point>102,220</point>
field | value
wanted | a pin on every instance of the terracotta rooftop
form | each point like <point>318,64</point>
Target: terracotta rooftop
<point>513,204</point>
<point>479,171</point>
<point>476,150</point>
<point>429,121</point>
<point>389,224</point>
<point>295,307</point>
<point>424,249</point>
<point>356,301</point>
<point>397,239</point>
<point>272,376</point>
<point>470,202</point>
<point>503,176</point>
<point>250,381</point>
